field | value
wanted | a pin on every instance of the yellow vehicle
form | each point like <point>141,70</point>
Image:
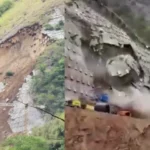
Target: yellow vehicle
<point>99,107</point>
<point>73,103</point>
<point>79,104</point>
<point>76,103</point>
<point>90,107</point>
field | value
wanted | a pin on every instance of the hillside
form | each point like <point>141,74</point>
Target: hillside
<point>18,58</point>
<point>136,6</point>
<point>22,42</point>
<point>129,11</point>
<point>24,13</point>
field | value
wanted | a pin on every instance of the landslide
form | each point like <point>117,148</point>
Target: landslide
<point>87,130</point>
<point>18,54</point>
<point>21,43</point>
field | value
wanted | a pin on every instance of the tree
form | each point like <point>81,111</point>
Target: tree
<point>48,85</point>
<point>6,5</point>
<point>53,132</point>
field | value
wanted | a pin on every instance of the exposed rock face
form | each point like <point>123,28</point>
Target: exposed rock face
<point>17,113</point>
<point>101,51</point>
<point>101,38</point>
<point>56,16</point>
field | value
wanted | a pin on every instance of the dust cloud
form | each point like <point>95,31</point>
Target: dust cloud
<point>132,99</point>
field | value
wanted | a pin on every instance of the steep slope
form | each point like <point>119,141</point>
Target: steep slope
<point>129,11</point>
<point>35,118</point>
<point>98,42</point>
<point>22,41</point>
<point>136,6</point>
<point>102,51</point>
<point>18,55</point>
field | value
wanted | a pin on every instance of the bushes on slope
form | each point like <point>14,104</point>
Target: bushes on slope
<point>25,143</point>
<point>53,132</point>
<point>48,85</point>
<point>5,6</point>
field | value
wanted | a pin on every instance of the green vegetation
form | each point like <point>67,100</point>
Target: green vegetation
<point>48,85</point>
<point>25,12</point>
<point>61,23</point>
<point>53,132</point>
<point>9,73</point>
<point>25,143</point>
<point>48,137</point>
<point>59,26</point>
<point>49,27</point>
<point>6,5</point>
<point>137,24</point>
<point>48,89</point>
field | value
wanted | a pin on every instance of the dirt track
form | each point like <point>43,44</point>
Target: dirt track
<point>87,130</point>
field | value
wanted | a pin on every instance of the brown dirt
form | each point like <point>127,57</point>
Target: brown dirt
<point>87,130</point>
<point>18,54</point>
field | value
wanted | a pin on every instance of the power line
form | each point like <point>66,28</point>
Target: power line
<point>42,110</point>
<point>49,113</point>
<point>55,139</point>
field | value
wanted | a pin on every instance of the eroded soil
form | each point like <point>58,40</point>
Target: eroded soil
<point>18,54</point>
<point>87,130</point>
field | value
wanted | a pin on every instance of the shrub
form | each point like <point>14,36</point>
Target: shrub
<point>9,73</point>
<point>48,85</point>
<point>58,27</point>
<point>61,23</point>
<point>26,143</point>
<point>5,6</point>
<point>49,27</point>
<point>54,128</point>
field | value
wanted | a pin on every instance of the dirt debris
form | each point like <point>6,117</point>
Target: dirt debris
<point>86,130</point>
